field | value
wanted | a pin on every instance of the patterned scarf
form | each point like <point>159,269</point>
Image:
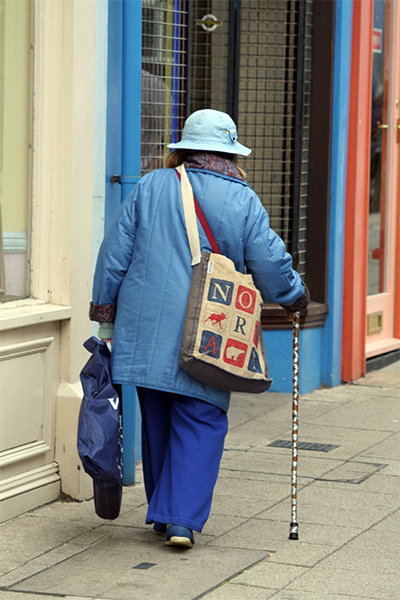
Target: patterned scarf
<point>211,162</point>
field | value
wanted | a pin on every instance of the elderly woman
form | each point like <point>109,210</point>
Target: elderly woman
<point>140,291</point>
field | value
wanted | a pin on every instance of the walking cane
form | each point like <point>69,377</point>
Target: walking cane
<point>294,526</point>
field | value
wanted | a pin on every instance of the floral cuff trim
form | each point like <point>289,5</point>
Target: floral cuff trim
<point>102,313</point>
<point>301,303</point>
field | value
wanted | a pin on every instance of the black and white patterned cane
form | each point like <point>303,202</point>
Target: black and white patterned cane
<point>294,527</point>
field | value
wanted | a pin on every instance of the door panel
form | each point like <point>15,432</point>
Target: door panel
<point>383,180</point>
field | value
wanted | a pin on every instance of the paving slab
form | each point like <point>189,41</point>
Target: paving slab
<point>135,517</point>
<point>301,554</point>
<point>41,563</point>
<point>257,431</point>
<point>240,506</point>
<point>311,408</point>
<point>279,461</point>
<point>246,407</point>
<point>287,594</point>
<point>228,471</point>
<point>387,377</point>
<point>219,525</point>
<point>70,511</point>
<point>132,569</point>
<point>343,394</point>
<point>363,413</point>
<point>271,534</point>
<point>232,591</point>
<point>380,538</point>
<point>362,580</point>
<point>385,563</point>
<point>250,488</point>
<point>393,466</point>
<point>377,483</point>
<point>323,503</point>
<point>354,472</point>
<point>271,424</point>
<point>17,537</point>
<point>349,445</point>
<point>23,596</point>
<point>387,449</point>
<point>270,575</point>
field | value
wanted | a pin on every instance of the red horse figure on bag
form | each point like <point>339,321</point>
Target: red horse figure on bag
<point>215,318</point>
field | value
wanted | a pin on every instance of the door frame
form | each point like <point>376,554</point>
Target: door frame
<point>357,196</point>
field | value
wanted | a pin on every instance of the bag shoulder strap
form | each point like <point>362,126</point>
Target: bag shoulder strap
<point>192,208</point>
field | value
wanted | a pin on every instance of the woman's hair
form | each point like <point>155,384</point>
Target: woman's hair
<point>177,157</point>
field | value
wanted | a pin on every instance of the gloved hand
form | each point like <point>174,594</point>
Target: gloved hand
<point>301,303</point>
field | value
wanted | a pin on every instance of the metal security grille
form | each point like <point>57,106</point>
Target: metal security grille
<point>211,49</point>
<point>301,135</point>
<point>252,59</point>
<point>164,77</point>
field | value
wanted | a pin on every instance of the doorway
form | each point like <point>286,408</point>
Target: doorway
<point>384,180</point>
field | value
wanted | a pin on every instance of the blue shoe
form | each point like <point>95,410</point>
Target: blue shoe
<point>179,536</point>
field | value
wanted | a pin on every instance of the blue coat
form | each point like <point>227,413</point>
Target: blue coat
<point>144,267</point>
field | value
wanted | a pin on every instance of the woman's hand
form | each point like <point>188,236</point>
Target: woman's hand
<point>108,341</point>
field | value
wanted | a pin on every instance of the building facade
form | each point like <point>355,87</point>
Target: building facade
<point>91,93</point>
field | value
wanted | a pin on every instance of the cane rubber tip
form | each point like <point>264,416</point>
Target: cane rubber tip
<point>294,531</point>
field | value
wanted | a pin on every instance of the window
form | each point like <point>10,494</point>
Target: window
<point>15,147</point>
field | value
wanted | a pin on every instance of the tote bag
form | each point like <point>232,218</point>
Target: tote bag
<point>222,342</point>
<point>100,430</point>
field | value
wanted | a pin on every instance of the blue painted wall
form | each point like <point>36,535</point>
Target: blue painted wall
<point>279,350</point>
<point>332,334</point>
<point>321,348</point>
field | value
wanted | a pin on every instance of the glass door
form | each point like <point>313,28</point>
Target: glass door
<point>383,199</point>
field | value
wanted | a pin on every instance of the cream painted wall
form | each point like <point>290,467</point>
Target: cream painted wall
<point>100,130</point>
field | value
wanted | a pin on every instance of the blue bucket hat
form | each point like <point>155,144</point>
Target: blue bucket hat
<point>210,130</point>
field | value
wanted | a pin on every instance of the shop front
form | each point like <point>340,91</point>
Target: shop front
<point>47,59</point>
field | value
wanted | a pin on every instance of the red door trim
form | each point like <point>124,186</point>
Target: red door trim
<point>357,195</point>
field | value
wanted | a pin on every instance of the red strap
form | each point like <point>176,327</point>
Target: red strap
<point>204,223</point>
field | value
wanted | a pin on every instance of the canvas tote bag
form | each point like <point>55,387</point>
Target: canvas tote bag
<point>222,342</point>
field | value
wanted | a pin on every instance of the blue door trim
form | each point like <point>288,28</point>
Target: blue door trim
<point>123,161</point>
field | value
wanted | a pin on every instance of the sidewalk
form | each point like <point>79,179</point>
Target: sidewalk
<point>348,509</point>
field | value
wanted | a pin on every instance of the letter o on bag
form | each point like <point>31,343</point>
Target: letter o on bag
<point>246,299</point>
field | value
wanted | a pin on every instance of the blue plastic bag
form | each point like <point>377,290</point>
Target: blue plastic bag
<point>100,430</point>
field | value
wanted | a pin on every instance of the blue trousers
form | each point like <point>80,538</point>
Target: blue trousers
<point>182,445</point>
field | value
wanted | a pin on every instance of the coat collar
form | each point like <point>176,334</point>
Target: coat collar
<point>211,162</point>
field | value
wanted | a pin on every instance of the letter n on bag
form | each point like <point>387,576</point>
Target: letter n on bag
<point>220,291</point>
